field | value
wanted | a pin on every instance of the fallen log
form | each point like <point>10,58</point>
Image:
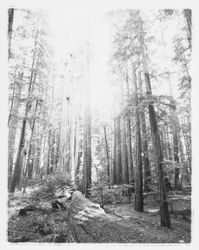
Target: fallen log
<point>90,223</point>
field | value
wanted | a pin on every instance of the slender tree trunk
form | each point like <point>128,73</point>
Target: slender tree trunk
<point>164,212</point>
<point>114,154</point>
<point>128,134</point>
<point>87,163</point>
<point>187,146</point>
<point>87,152</point>
<point>175,127</point>
<point>29,160</point>
<point>147,170</point>
<point>21,149</point>
<point>19,161</point>
<point>13,123</point>
<point>129,152</point>
<point>107,157</point>
<point>124,155</point>
<point>138,169</point>
<point>10,27</point>
<point>188,15</point>
<point>176,158</point>
<point>73,147</point>
<point>78,157</point>
<point>117,152</point>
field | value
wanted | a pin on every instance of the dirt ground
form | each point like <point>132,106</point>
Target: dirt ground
<point>125,225</point>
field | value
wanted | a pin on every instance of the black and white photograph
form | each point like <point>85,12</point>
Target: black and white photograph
<point>99,124</point>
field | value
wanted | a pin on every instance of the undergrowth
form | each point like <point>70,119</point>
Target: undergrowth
<point>47,187</point>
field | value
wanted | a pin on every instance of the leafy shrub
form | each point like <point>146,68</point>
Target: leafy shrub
<point>48,186</point>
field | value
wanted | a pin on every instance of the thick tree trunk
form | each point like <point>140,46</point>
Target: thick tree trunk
<point>164,212</point>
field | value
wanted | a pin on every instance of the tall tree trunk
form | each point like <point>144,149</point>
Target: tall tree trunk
<point>21,148</point>
<point>78,157</point>
<point>19,161</point>
<point>164,212</point>
<point>128,135</point>
<point>87,152</point>
<point>188,15</point>
<point>124,155</point>
<point>169,150</point>
<point>138,169</point>
<point>114,154</point>
<point>29,159</point>
<point>187,145</point>
<point>175,128</point>
<point>87,162</point>
<point>147,170</point>
<point>176,156</point>
<point>10,27</point>
<point>13,123</point>
<point>73,146</point>
<point>117,161</point>
<point>107,156</point>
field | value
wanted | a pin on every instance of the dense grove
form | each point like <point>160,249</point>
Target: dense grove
<point>110,141</point>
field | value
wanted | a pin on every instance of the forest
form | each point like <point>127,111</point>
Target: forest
<point>99,126</point>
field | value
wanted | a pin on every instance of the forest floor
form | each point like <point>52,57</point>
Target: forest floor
<point>47,225</point>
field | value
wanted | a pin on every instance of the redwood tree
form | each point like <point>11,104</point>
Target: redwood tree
<point>164,212</point>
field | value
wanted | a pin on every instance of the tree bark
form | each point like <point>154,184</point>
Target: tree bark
<point>107,157</point>
<point>87,162</point>
<point>138,170</point>
<point>124,155</point>
<point>29,160</point>
<point>164,213</point>
<point>117,152</point>
<point>10,27</point>
<point>147,170</point>
<point>128,134</point>
<point>87,153</point>
<point>12,124</point>
<point>21,148</point>
<point>188,15</point>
